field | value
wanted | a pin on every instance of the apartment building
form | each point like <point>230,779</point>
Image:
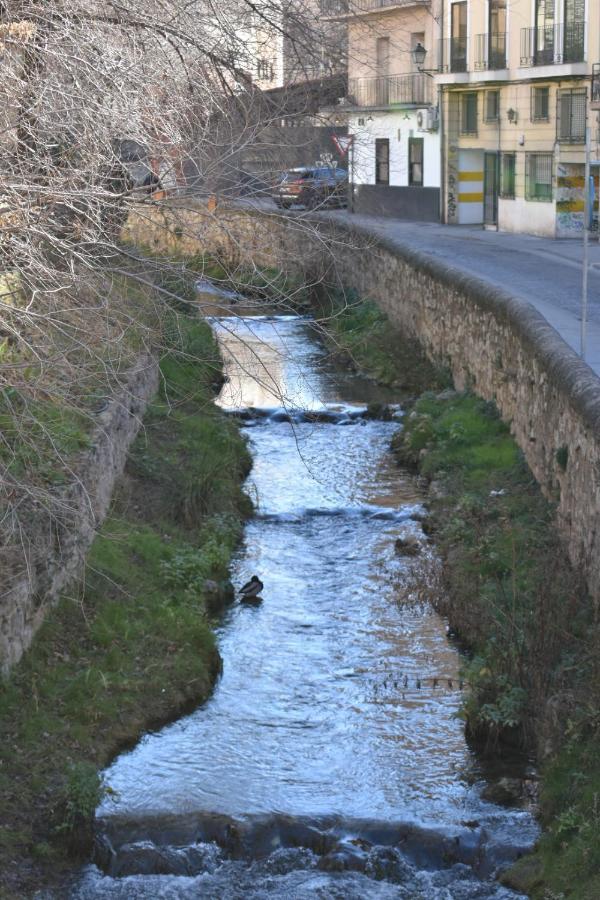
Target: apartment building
<point>288,43</point>
<point>515,83</point>
<point>391,106</point>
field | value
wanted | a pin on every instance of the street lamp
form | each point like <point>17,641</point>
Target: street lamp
<point>418,54</point>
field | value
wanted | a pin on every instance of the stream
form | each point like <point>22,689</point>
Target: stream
<point>328,762</point>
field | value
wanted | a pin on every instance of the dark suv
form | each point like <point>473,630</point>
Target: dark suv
<point>312,186</point>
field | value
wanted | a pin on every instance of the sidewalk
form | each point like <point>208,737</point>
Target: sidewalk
<point>546,273</point>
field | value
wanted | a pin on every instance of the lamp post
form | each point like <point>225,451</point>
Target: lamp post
<point>418,54</point>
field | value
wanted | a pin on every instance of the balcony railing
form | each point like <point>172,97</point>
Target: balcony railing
<point>490,51</point>
<point>389,90</point>
<point>556,44</point>
<point>595,95</point>
<point>453,55</point>
<point>355,7</point>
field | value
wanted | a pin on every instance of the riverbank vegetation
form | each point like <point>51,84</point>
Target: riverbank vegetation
<point>238,280</point>
<point>513,600</point>
<point>133,645</point>
<point>360,336</point>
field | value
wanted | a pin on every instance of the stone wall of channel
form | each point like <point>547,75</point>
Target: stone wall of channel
<point>54,544</point>
<point>499,346</point>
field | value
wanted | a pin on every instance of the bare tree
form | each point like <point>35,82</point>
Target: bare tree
<point>102,104</point>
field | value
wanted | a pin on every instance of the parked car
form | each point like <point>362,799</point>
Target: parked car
<point>312,186</point>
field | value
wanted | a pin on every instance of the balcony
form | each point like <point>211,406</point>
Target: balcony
<point>490,52</point>
<point>595,95</point>
<point>346,8</point>
<point>390,90</point>
<point>453,54</point>
<point>555,45</point>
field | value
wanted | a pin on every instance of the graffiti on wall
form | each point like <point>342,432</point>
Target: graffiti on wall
<point>570,199</point>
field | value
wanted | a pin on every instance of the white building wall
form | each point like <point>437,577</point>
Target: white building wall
<point>397,127</point>
<point>520,215</point>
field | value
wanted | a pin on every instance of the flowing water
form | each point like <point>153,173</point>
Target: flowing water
<point>329,762</point>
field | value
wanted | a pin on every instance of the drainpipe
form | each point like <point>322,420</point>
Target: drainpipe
<point>440,99</point>
<point>499,158</point>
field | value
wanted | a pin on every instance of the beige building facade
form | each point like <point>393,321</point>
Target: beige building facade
<point>515,83</point>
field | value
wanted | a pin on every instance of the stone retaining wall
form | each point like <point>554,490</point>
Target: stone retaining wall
<point>54,546</point>
<point>499,346</point>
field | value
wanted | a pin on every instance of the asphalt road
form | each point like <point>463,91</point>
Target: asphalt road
<point>546,273</point>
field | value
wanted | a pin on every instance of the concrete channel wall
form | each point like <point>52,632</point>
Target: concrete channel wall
<point>53,549</point>
<point>499,346</point>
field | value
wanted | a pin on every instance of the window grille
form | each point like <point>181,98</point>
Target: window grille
<point>540,104</point>
<point>538,176</point>
<point>492,106</point>
<point>469,114</point>
<point>507,176</point>
<point>264,69</point>
<point>571,115</point>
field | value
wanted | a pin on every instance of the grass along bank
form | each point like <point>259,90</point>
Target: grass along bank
<point>260,285</point>
<point>362,338</point>
<point>512,598</point>
<point>134,646</point>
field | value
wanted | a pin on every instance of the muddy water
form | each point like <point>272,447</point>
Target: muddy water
<point>329,762</point>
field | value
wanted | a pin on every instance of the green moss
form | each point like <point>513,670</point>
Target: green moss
<point>532,670</point>
<point>135,645</point>
<point>507,570</point>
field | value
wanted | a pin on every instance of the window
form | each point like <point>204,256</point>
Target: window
<point>382,161</point>
<point>507,175</point>
<point>497,34</point>
<point>571,116</point>
<point>497,16</point>
<point>540,104</point>
<point>417,37</point>
<point>574,31</point>
<point>382,50</point>
<point>415,161</point>
<point>492,106</point>
<point>544,33</point>
<point>469,114</point>
<point>458,41</point>
<point>264,69</point>
<point>538,176</point>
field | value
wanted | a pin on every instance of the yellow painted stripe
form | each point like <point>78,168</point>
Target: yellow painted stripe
<point>570,206</point>
<point>470,176</point>
<point>476,197</point>
<point>570,181</point>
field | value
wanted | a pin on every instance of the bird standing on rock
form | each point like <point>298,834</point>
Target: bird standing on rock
<point>252,588</point>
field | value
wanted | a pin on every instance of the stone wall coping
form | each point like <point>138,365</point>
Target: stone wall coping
<point>566,370</point>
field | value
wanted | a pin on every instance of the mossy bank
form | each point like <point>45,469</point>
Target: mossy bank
<point>521,612</point>
<point>133,646</point>
<point>360,337</point>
